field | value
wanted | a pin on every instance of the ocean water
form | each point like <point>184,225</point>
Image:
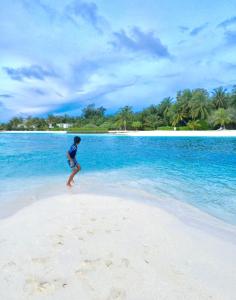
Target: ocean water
<point>200,171</point>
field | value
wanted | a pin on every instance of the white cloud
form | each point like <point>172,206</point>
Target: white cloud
<point>88,68</point>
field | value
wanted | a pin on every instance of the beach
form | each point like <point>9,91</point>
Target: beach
<point>117,150</point>
<point>154,220</point>
<point>87,246</point>
<point>167,133</point>
<point>179,133</point>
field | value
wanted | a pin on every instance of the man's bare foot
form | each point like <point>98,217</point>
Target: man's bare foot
<point>69,184</point>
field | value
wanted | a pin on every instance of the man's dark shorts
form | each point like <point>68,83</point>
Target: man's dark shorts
<point>73,164</point>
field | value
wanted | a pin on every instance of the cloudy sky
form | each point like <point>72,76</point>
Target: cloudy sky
<point>60,55</point>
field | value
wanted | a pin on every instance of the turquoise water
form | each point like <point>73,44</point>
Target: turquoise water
<point>197,170</point>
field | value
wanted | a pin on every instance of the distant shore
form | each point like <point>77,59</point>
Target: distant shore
<point>34,131</point>
<point>207,133</point>
<point>171,133</point>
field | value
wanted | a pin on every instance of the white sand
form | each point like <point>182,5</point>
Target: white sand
<point>78,247</point>
<point>34,131</point>
<point>210,133</point>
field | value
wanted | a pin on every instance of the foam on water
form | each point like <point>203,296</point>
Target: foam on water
<point>198,171</point>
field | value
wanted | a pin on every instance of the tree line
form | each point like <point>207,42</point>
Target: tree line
<point>191,110</point>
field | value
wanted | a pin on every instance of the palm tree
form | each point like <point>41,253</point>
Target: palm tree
<point>233,97</point>
<point>136,125</point>
<point>16,122</point>
<point>220,97</point>
<point>183,99</point>
<point>199,105</point>
<point>164,108</point>
<point>152,121</point>
<point>194,124</point>
<point>179,112</point>
<point>177,115</point>
<point>221,117</point>
<point>177,118</point>
<point>125,115</point>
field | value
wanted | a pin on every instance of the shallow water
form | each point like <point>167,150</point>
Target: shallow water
<point>198,170</point>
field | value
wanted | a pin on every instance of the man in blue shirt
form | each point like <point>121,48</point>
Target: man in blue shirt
<point>71,155</point>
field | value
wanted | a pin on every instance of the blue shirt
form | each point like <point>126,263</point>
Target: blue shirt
<point>72,151</point>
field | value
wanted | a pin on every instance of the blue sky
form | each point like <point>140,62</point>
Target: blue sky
<point>57,56</point>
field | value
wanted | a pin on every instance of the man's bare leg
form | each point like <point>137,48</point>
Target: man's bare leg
<point>71,178</point>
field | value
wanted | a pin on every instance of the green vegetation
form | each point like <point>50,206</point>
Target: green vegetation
<point>191,110</point>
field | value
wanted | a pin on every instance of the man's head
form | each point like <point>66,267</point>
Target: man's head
<point>77,140</point>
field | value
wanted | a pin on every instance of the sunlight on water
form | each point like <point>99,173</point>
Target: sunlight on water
<point>199,171</point>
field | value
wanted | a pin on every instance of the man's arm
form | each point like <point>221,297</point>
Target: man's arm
<point>68,156</point>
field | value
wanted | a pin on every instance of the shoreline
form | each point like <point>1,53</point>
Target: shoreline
<point>179,133</point>
<point>33,131</point>
<point>158,133</point>
<point>38,191</point>
<point>104,183</point>
<point>58,248</point>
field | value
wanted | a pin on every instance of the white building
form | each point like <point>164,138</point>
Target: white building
<point>21,126</point>
<point>64,125</point>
